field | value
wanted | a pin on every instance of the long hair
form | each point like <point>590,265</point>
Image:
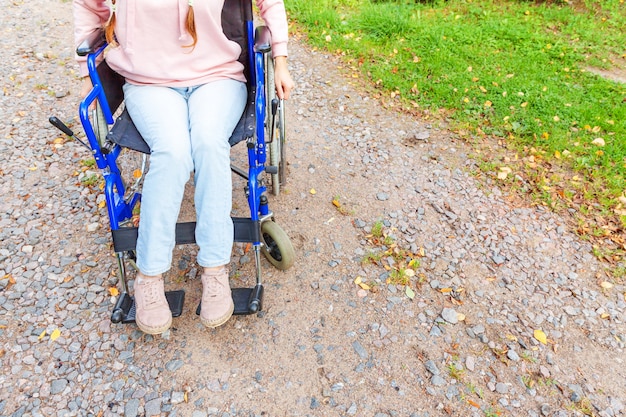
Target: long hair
<point>109,28</point>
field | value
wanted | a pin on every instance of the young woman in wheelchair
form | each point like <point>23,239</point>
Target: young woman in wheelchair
<point>185,91</point>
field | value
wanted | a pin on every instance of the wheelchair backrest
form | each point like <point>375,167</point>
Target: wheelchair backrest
<point>235,17</point>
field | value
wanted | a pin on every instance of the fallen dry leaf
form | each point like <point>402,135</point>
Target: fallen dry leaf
<point>473,403</point>
<point>541,336</point>
<point>55,334</point>
<point>606,285</point>
<point>598,142</point>
<point>409,292</point>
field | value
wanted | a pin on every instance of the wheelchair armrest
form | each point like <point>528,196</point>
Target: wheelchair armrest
<point>91,44</point>
<point>262,39</point>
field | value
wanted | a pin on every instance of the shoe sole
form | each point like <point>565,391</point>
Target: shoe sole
<point>153,330</point>
<point>212,324</point>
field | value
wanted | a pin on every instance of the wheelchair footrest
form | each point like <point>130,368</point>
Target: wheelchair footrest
<point>124,310</point>
<point>247,300</point>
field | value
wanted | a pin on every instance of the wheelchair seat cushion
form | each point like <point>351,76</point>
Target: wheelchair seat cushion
<point>125,134</point>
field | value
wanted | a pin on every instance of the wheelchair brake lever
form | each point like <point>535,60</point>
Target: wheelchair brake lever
<point>63,128</point>
<point>273,110</point>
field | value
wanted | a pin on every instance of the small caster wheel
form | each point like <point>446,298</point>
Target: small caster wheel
<point>277,246</point>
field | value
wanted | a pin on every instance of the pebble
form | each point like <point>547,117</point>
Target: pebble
<point>470,363</point>
<point>512,355</point>
<point>431,367</point>
<point>450,315</point>
<point>358,348</point>
<point>437,381</point>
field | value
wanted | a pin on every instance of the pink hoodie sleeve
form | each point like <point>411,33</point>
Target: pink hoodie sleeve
<point>274,15</point>
<point>89,16</point>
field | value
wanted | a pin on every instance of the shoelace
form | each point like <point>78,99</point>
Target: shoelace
<point>214,286</point>
<point>152,293</point>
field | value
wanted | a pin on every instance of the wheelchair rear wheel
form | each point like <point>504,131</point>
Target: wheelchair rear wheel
<point>275,129</point>
<point>277,246</point>
<point>133,166</point>
<point>100,126</point>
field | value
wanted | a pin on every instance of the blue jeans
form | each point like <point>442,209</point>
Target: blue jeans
<point>187,130</point>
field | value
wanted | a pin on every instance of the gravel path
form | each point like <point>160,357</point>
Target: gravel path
<point>494,277</point>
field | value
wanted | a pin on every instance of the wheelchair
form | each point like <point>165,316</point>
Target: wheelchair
<point>115,143</point>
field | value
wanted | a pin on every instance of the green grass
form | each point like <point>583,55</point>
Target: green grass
<point>517,71</point>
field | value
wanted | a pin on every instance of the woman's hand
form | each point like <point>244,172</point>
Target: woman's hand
<point>282,78</point>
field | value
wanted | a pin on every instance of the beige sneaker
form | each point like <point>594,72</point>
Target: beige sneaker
<point>153,315</point>
<point>217,300</point>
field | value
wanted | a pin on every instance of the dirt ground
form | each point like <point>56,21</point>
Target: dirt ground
<point>462,340</point>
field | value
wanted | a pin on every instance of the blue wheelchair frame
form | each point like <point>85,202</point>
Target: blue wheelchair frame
<point>120,209</point>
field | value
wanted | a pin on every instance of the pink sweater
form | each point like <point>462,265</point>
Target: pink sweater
<point>152,35</point>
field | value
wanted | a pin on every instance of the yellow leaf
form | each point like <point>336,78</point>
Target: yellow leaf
<point>364,286</point>
<point>524,104</point>
<point>137,173</point>
<point>604,315</point>
<point>312,191</point>
<point>541,336</point>
<point>358,280</point>
<point>488,103</point>
<point>446,290</point>
<point>41,336</point>
<point>102,204</point>
<point>55,335</point>
<point>114,292</point>
<point>336,203</point>
<point>409,273</point>
<point>606,285</point>
<point>460,316</point>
